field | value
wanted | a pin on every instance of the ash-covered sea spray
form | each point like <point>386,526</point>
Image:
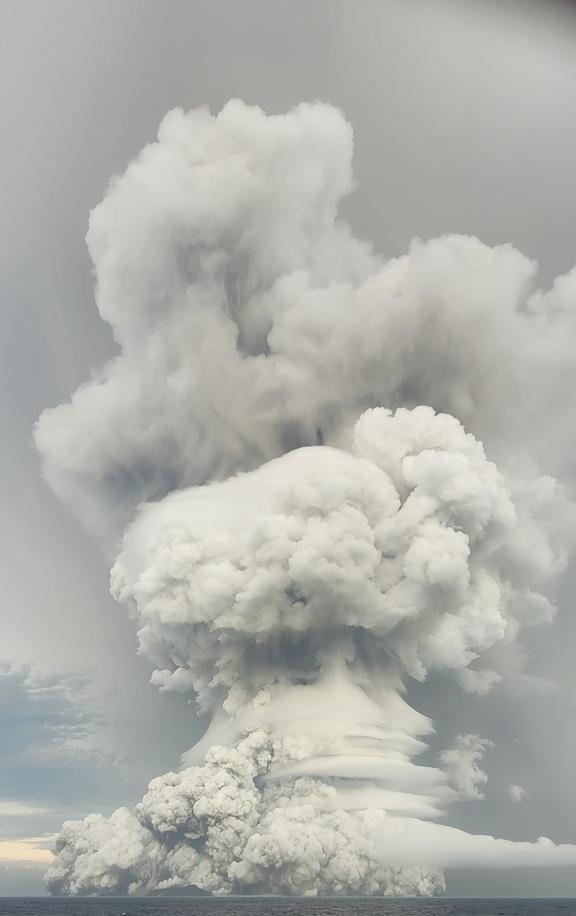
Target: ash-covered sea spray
<point>329,472</point>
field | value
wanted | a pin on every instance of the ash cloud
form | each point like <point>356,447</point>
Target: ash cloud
<point>516,793</point>
<point>461,763</point>
<point>321,473</point>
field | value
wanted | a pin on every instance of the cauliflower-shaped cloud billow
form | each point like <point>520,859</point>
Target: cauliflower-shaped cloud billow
<point>328,473</point>
<point>390,547</point>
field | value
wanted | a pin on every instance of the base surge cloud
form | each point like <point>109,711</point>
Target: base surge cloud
<point>322,473</point>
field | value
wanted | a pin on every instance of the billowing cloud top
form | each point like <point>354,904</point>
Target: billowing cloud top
<point>294,446</point>
<point>249,320</point>
<point>390,552</point>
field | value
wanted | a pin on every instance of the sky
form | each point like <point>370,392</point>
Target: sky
<point>464,121</point>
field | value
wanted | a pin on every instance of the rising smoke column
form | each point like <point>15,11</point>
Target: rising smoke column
<point>295,449</point>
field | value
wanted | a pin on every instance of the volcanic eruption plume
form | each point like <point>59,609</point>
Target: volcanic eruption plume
<point>322,473</point>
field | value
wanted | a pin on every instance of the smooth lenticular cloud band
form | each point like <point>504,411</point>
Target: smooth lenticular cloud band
<point>328,473</point>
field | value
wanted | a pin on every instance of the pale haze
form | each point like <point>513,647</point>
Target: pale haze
<point>414,120</point>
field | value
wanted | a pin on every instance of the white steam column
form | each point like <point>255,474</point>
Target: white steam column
<point>299,534</point>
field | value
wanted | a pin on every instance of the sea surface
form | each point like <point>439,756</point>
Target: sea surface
<point>266,906</point>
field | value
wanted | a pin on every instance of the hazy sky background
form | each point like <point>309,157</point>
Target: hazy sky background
<point>464,113</point>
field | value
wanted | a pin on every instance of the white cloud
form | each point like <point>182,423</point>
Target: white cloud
<point>461,764</point>
<point>360,544</point>
<point>516,793</point>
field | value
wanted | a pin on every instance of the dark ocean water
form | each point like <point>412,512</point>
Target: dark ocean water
<point>266,906</point>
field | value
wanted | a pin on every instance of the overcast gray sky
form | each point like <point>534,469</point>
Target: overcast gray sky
<point>464,113</point>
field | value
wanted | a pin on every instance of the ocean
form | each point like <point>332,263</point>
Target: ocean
<point>266,906</point>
